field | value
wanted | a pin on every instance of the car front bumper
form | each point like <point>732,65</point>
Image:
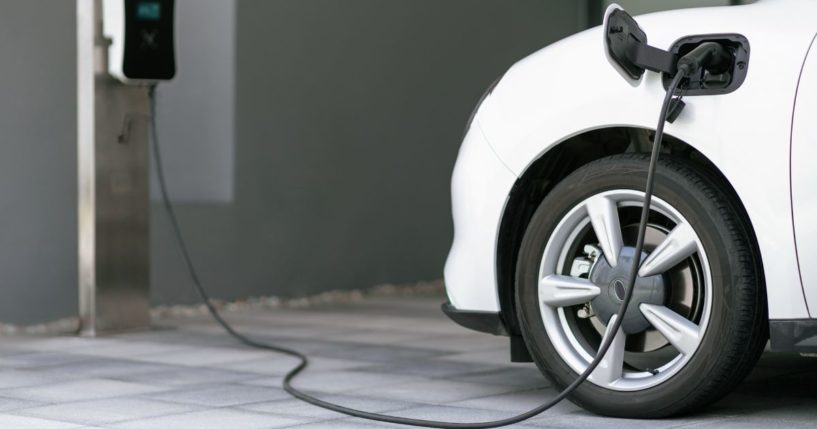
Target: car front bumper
<point>480,187</point>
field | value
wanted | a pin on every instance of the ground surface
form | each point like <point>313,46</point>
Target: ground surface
<point>398,355</point>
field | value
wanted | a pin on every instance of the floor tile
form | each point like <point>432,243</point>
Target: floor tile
<point>280,365</point>
<point>79,390</point>
<point>296,407</point>
<point>35,360</point>
<point>10,378</point>
<point>12,404</point>
<point>124,349</point>
<point>271,364</point>
<point>176,377</point>
<point>344,381</point>
<point>203,356</point>
<point>450,414</point>
<point>23,422</point>
<point>375,353</point>
<point>96,367</point>
<point>431,368</point>
<point>348,423</point>
<point>433,391</point>
<point>223,395</point>
<point>212,419</point>
<point>516,402</point>
<point>524,377</point>
<point>104,411</point>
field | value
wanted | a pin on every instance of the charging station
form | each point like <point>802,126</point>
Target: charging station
<point>122,47</point>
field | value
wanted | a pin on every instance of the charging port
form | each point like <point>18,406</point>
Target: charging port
<point>706,83</point>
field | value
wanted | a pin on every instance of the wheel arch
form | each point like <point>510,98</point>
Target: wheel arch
<point>563,158</point>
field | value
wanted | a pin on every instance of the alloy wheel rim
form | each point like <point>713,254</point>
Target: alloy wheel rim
<point>676,324</point>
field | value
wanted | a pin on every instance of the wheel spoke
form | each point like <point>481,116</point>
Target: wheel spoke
<point>683,334</point>
<point>680,244</point>
<point>603,213</point>
<point>564,291</point>
<point>611,367</point>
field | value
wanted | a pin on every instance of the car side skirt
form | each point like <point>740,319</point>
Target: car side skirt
<point>794,335</point>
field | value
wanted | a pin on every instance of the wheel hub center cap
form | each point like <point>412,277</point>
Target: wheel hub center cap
<point>613,283</point>
<point>618,290</point>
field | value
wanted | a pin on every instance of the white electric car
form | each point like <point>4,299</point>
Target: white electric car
<point>548,189</point>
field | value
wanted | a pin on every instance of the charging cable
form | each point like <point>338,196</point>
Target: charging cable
<point>684,68</point>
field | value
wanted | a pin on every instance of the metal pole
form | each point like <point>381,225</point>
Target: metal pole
<point>112,153</point>
<point>87,12</point>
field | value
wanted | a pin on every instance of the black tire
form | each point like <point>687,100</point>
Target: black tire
<point>738,326</point>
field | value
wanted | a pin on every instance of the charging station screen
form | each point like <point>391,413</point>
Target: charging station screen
<point>149,50</point>
<point>149,10</point>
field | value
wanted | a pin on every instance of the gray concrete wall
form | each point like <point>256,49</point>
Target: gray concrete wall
<point>348,120</point>
<point>197,109</point>
<point>38,239</point>
<point>638,7</point>
<point>196,126</point>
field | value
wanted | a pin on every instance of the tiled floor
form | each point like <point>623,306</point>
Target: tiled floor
<point>396,355</point>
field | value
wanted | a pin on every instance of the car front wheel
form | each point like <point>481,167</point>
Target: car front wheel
<point>697,321</point>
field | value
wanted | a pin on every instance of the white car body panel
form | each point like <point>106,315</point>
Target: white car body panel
<point>745,134</point>
<point>804,177</point>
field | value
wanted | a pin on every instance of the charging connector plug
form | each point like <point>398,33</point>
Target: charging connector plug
<point>710,56</point>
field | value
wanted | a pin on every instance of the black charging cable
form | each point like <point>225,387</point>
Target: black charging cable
<point>683,70</point>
